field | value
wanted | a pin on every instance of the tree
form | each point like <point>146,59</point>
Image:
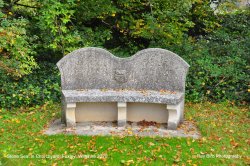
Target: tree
<point>15,45</point>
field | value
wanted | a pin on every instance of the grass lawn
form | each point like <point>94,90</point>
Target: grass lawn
<point>225,141</point>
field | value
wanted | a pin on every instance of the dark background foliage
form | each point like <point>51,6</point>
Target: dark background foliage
<point>34,35</point>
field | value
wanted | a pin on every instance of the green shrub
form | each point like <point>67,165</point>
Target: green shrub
<point>34,89</point>
<point>217,53</point>
<point>120,25</point>
<point>219,61</point>
<point>15,45</point>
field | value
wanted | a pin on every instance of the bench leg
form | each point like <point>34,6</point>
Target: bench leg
<point>64,107</point>
<point>63,120</point>
<point>174,115</point>
<point>70,114</point>
<point>182,111</point>
<point>122,114</point>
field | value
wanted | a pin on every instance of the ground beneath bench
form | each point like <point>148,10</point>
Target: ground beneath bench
<point>143,128</point>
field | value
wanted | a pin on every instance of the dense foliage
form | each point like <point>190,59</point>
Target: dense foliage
<point>36,34</point>
<point>36,88</point>
<point>15,46</point>
<point>220,61</point>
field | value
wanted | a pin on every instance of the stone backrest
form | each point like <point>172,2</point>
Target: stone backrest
<point>149,69</point>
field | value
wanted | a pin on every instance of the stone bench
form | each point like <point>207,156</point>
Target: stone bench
<point>97,86</point>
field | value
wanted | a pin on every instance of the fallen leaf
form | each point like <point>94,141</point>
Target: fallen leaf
<point>151,144</point>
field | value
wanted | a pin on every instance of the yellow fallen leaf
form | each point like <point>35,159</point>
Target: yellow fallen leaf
<point>54,164</point>
<point>130,132</point>
<point>151,144</point>
<point>130,162</point>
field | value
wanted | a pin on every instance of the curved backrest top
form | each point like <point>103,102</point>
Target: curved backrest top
<point>149,69</point>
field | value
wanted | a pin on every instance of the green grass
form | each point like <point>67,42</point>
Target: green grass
<point>224,128</point>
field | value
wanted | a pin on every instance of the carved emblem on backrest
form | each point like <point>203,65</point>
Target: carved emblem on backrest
<point>120,76</point>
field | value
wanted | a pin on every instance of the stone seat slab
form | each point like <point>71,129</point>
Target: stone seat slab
<point>140,96</point>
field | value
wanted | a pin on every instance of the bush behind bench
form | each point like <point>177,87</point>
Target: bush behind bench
<point>218,72</point>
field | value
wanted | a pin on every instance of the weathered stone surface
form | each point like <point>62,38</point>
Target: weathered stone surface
<point>122,114</point>
<point>149,69</point>
<point>145,96</point>
<point>174,115</point>
<point>152,75</point>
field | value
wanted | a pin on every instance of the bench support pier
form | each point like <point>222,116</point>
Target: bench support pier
<point>122,114</point>
<point>175,115</point>
<point>70,114</point>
